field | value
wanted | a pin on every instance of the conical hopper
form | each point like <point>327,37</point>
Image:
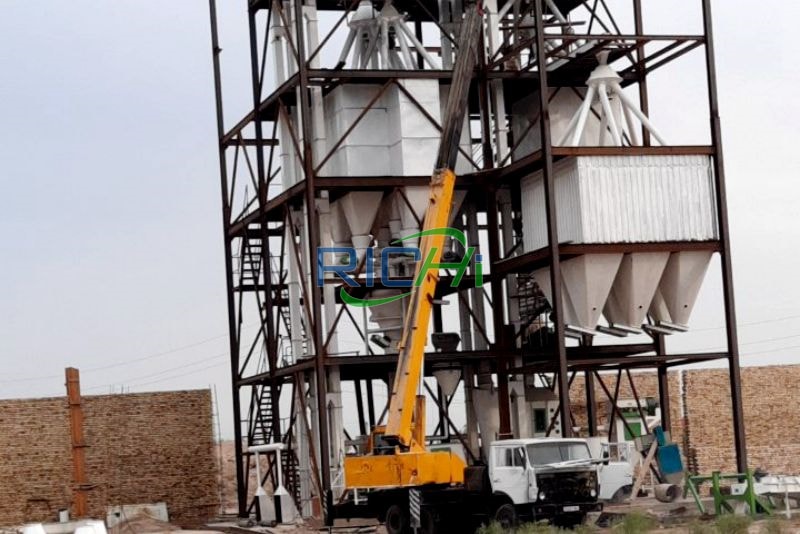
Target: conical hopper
<point>389,317</point>
<point>448,380</point>
<point>340,231</point>
<point>542,278</point>
<point>634,288</point>
<point>680,284</point>
<point>586,282</point>
<point>359,209</point>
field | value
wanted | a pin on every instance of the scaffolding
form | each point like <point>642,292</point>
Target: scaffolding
<point>282,185</point>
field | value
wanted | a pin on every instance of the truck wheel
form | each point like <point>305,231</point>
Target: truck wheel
<point>622,494</point>
<point>506,516</point>
<point>428,522</point>
<point>396,520</point>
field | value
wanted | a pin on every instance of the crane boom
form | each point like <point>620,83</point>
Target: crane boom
<point>411,356</point>
<point>408,463</point>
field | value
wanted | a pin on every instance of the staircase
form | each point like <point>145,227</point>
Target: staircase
<point>250,254</point>
<point>291,475</point>
<point>262,417</point>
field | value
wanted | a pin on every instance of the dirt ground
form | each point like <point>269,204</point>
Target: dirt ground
<point>674,518</point>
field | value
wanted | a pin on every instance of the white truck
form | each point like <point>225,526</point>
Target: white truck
<point>553,479</point>
<point>616,468</point>
<point>545,478</point>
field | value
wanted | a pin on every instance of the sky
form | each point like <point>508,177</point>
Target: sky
<point>111,254</point>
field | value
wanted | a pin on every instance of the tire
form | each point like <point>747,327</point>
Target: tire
<point>621,495</point>
<point>396,520</point>
<point>429,523</point>
<point>506,516</point>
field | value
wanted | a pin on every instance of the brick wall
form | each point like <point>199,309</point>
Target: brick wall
<point>705,429</point>
<point>771,418</point>
<point>141,448</point>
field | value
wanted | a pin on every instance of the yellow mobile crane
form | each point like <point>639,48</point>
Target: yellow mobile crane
<point>396,455</point>
<point>406,484</point>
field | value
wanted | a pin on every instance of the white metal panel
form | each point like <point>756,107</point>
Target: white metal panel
<point>394,137</point>
<point>361,161</point>
<point>617,199</point>
<point>413,157</point>
<point>562,106</point>
<point>370,130</point>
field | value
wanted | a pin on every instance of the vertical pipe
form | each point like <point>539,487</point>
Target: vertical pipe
<point>418,33</point>
<point>614,408</point>
<point>498,317</point>
<point>233,339</point>
<point>591,403</point>
<point>722,219</point>
<point>485,107</point>
<point>313,243</point>
<point>80,496</point>
<point>478,308</point>
<point>644,97</point>
<point>552,227</point>
<point>663,386</point>
<point>362,425</point>
<point>370,404</point>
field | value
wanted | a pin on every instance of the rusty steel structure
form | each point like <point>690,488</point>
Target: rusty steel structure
<point>282,387</point>
<point>81,484</point>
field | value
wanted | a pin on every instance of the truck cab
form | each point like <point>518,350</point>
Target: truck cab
<point>543,478</point>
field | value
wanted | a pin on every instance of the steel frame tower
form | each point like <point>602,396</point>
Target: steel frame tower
<point>258,253</point>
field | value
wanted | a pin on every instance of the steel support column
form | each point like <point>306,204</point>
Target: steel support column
<point>233,339</point>
<point>552,226</point>
<point>591,403</point>
<point>644,97</point>
<point>312,222</point>
<point>498,319</point>
<point>663,386</point>
<point>724,236</point>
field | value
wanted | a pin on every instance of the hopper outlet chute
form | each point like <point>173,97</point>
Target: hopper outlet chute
<point>678,289</point>
<point>412,205</point>
<point>484,401</point>
<point>633,290</point>
<point>388,317</point>
<point>448,380</point>
<point>586,283</point>
<point>359,209</point>
<point>340,232</point>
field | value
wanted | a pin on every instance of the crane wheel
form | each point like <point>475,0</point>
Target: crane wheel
<point>396,520</point>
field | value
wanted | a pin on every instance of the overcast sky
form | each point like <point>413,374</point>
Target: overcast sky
<point>110,235</point>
